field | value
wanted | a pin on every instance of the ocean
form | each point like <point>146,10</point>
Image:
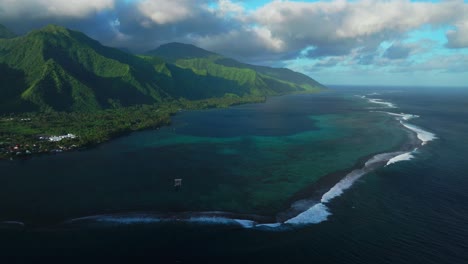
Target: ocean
<point>350,175</point>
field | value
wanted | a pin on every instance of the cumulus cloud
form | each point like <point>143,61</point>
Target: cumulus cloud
<point>229,8</point>
<point>458,38</point>
<point>30,9</point>
<point>166,11</point>
<point>246,42</point>
<point>330,33</point>
<point>337,27</point>
<point>456,63</point>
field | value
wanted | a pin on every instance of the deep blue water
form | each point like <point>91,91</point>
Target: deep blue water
<point>413,211</point>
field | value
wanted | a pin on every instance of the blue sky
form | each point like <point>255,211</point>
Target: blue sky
<point>371,42</point>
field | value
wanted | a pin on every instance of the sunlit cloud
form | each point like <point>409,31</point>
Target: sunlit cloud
<point>320,38</point>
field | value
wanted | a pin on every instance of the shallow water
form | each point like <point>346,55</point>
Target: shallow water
<point>250,159</point>
<point>411,211</point>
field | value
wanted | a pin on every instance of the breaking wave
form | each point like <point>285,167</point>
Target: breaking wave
<point>401,157</point>
<point>222,220</point>
<point>11,224</point>
<point>377,101</point>
<point>319,212</point>
<point>139,218</point>
<point>311,214</point>
<point>423,135</point>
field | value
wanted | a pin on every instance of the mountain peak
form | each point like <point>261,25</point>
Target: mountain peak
<point>175,51</point>
<point>50,32</point>
<point>5,32</point>
<point>65,70</point>
<point>55,29</point>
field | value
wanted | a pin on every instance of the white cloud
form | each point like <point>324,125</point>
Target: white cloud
<point>458,38</point>
<point>330,34</point>
<point>353,24</point>
<point>227,7</point>
<point>166,11</point>
<point>28,9</point>
<point>245,42</point>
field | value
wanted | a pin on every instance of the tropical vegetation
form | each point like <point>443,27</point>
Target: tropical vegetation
<point>56,81</point>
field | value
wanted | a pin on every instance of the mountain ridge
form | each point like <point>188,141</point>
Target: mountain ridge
<point>56,81</point>
<point>59,69</point>
<point>55,56</point>
<point>6,33</point>
<point>203,62</point>
<point>177,50</point>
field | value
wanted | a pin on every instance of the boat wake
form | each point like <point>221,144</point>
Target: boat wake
<point>308,213</point>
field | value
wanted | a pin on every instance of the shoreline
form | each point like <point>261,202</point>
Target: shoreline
<point>310,195</point>
<point>197,105</point>
<point>205,104</point>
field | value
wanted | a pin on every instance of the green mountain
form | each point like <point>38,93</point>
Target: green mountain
<point>6,33</point>
<point>64,70</point>
<point>174,51</point>
<point>60,69</point>
<point>226,73</point>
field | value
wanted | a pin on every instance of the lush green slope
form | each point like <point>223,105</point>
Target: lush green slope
<point>67,71</point>
<point>56,81</point>
<point>257,80</point>
<point>5,32</point>
<point>56,69</point>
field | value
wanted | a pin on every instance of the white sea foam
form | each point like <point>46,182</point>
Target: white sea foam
<point>319,212</point>
<point>343,185</point>
<point>311,214</point>
<point>378,101</point>
<point>129,220</point>
<point>381,158</point>
<point>402,157</point>
<point>402,116</point>
<point>222,220</point>
<point>423,135</point>
<point>314,215</point>
<point>381,102</point>
<point>136,219</point>
<point>270,225</point>
<point>16,223</point>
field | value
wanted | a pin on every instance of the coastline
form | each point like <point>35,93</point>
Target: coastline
<point>310,195</point>
<point>11,152</point>
<point>8,153</point>
<point>320,193</point>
